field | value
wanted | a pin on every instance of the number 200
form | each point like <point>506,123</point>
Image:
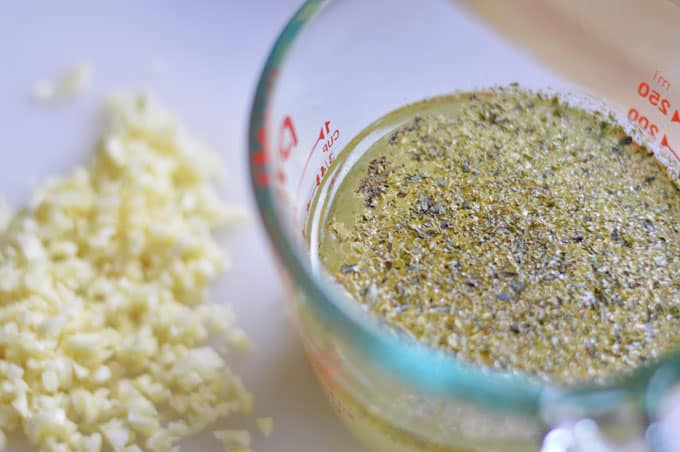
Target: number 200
<point>635,117</point>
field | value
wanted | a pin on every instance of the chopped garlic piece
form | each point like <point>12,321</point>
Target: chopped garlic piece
<point>102,374</point>
<point>233,438</point>
<point>266,426</point>
<point>74,81</point>
<point>43,91</point>
<point>5,215</point>
<point>133,448</point>
<point>115,433</point>
<point>102,279</point>
<point>93,442</point>
<point>116,151</point>
<point>239,340</point>
<point>50,381</point>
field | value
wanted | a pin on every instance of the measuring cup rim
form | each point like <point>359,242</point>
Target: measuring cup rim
<point>422,366</point>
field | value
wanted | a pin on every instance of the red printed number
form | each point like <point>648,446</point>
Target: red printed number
<point>634,116</point>
<point>654,98</point>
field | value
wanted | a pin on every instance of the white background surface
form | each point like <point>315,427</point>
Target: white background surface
<point>212,52</point>
<point>202,60</point>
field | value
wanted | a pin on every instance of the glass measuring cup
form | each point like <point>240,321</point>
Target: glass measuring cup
<point>338,66</point>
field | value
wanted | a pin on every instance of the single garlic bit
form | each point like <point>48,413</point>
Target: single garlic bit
<point>266,426</point>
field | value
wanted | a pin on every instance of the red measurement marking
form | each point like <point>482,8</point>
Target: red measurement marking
<point>664,143</point>
<point>262,179</point>
<point>262,138</point>
<point>330,139</point>
<point>273,75</point>
<point>260,157</point>
<point>288,140</point>
<point>663,104</point>
<point>634,116</point>
<point>654,98</point>
<point>323,168</point>
<point>326,364</point>
<point>286,145</point>
<point>658,78</point>
<point>325,129</point>
<point>652,129</point>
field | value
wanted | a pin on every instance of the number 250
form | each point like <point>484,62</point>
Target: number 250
<point>654,97</point>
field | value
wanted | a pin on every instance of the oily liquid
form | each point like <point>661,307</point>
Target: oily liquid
<point>513,231</point>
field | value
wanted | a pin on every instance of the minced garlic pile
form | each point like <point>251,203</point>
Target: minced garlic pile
<point>103,334</point>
